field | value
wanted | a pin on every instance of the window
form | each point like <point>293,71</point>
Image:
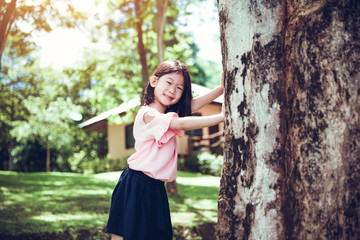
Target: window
<point>212,130</point>
<point>129,136</point>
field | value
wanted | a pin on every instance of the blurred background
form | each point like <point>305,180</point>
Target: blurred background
<point>64,62</point>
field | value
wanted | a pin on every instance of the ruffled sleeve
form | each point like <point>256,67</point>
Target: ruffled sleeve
<point>160,126</point>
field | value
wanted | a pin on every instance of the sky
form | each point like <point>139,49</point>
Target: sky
<point>63,47</point>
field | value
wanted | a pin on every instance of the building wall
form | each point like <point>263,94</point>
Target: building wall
<point>117,141</point>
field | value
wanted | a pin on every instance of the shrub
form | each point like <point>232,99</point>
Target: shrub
<point>210,163</point>
<point>80,163</point>
<point>204,162</point>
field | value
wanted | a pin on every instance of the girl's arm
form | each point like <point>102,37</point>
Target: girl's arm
<point>199,102</point>
<point>195,122</point>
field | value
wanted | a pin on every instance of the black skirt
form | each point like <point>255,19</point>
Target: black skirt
<point>139,208</point>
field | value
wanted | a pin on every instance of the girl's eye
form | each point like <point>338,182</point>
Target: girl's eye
<point>168,82</point>
<point>179,88</point>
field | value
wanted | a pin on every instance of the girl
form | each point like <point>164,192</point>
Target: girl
<point>139,206</point>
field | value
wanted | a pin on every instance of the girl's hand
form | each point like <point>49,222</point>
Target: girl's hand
<point>195,122</point>
<point>222,80</point>
<point>223,110</point>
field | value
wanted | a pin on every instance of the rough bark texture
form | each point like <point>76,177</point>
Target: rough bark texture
<point>291,165</point>
<point>321,117</point>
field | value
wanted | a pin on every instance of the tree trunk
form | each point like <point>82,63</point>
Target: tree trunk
<point>140,44</point>
<point>47,159</point>
<point>172,189</point>
<point>291,161</point>
<point>10,148</point>
<point>161,6</point>
<point>5,25</point>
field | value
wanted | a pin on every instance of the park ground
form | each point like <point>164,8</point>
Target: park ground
<point>75,206</point>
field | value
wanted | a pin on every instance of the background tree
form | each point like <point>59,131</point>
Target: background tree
<point>36,111</point>
<point>139,44</point>
<point>161,6</point>
<point>292,120</point>
<point>6,23</point>
<point>15,85</point>
<point>48,124</point>
<point>134,16</point>
<point>19,20</point>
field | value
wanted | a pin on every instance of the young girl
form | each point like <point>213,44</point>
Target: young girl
<point>139,205</point>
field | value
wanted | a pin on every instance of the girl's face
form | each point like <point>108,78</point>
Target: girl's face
<point>168,89</point>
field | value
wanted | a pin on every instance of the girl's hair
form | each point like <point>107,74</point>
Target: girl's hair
<point>183,107</point>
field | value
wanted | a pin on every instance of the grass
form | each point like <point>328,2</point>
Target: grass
<point>75,206</point>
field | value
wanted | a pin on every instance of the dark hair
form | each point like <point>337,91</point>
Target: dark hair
<point>183,107</point>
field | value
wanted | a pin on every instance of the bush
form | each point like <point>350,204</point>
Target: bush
<point>210,163</point>
<point>80,163</point>
<point>204,162</point>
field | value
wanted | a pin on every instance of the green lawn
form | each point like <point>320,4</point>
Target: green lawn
<point>75,206</point>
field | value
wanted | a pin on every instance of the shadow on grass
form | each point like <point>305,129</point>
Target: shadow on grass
<point>199,201</point>
<point>74,206</point>
<point>39,204</point>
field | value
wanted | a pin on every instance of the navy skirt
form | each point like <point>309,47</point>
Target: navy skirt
<point>139,208</point>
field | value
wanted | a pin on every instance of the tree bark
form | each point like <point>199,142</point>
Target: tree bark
<point>161,6</point>
<point>292,129</point>
<point>172,189</point>
<point>5,25</point>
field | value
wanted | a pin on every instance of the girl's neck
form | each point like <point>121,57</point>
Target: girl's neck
<point>158,107</point>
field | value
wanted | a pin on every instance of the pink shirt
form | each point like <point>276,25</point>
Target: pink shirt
<point>155,145</point>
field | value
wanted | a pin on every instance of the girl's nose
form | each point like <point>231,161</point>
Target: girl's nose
<point>172,89</point>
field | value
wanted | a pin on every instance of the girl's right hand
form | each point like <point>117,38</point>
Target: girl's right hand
<point>222,84</point>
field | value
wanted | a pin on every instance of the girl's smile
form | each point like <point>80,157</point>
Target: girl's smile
<point>168,90</point>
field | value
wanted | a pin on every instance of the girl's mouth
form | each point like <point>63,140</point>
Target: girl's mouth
<point>168,97</point>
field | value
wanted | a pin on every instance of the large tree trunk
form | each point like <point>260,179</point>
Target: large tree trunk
<point>291,165</point>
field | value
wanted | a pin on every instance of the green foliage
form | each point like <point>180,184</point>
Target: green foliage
<point>24,105</point>
<point>36,112</point>
<point>79,162</point>
<point>212,73</point>
<point>210,163</point>
<point>121,26</point>
<point>16,85</point>
<point>204,162</point>
<point>101,82</point>
<point>76,206</point>
<point>31,17</point>
<point>48,122</point>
